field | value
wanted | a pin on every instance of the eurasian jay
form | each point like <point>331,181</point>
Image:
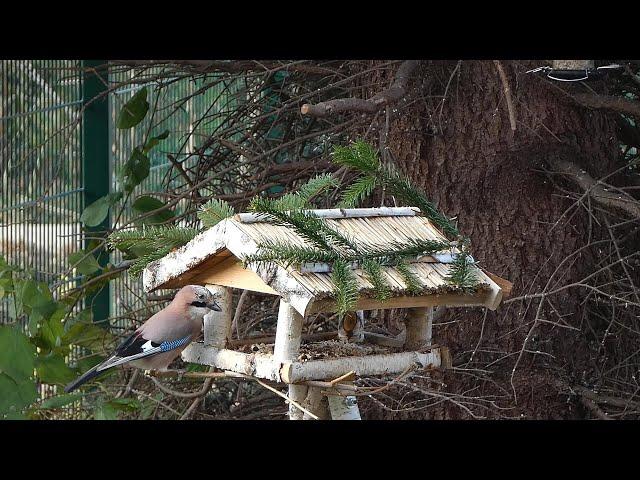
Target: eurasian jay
<point>161,339</point>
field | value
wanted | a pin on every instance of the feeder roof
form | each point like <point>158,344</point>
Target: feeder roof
<point>214,257</point>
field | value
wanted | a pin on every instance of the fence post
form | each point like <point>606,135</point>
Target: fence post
<point>95,164</point>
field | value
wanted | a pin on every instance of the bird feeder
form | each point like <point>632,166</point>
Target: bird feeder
<point>575,70</point>
<point>214,259</point>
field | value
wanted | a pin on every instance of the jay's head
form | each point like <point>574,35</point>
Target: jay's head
<point>196,298</point>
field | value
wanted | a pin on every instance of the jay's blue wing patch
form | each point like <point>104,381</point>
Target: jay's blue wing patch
<point>136,347</point>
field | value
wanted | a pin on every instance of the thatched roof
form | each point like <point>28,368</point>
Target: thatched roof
<point>213,257</point>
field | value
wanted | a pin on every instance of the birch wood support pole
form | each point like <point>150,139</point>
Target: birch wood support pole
<point>316,403</point>
<point>419,324</point>
<point>286,347</point>
<point>217,325</point>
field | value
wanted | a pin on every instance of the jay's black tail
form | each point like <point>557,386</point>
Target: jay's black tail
<point>85,377</point>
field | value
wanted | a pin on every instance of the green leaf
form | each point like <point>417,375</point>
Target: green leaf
<point>24,291</point>
<point>53,370</point>
<point>42,303</point>
<point>52,330</point>
<point>134,110</point>
<point>153,141</point>
<point>60,400</point>
<point>135,170</point>
<point>94,214</point>
<point>15,395</point>
<point>6,286</point>
<point>85,264</point>
<point>87,335</point>
<point>17,354</point>
<point>125,404</point>
<point>105,411</point>
<point>146,204</point>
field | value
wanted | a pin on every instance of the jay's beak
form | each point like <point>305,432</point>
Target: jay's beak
<point>214,306</point>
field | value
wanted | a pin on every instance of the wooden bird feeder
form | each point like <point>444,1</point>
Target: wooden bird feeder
<point>214,259</point>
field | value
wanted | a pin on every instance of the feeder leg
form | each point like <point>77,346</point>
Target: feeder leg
<point>287,345</point>
<point>217,325</point>
<point>344,408</point>
<point>317,404</point>
<point>298,394</point>
<point>419,324</point>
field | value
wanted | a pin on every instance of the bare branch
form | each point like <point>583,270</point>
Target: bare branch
<point>609,102</point>
<point>596,189</point>
<point>372,105</point>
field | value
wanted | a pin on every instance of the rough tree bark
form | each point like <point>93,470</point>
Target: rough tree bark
<point>477,168</point>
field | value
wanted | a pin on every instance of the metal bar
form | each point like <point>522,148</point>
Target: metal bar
<point>95,164</point>
<point>33,203</point>
<point>42,110</point>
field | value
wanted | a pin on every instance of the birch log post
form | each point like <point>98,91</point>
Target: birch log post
<point>286,347</point>
<point>217,325</point>
<point>316,403</point>
<point>419,324</point>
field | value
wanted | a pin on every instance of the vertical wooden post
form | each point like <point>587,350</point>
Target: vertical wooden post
<point>316,403</point>
<point>217,325</point>
<point>419,324</point>
<point>287,345</point>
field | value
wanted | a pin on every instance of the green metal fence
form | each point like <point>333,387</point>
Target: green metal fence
<point>59,152</point>
<point>41,190</point>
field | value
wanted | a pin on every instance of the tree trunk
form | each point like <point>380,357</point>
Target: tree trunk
<point>468,159</point>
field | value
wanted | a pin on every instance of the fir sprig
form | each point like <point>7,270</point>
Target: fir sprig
<point>214,211</point>
<point>460,273</point>
<point>310,227</point>
<point>345,287</point>
<point>148,244</point>
<point>401,187</point>
<point>374,274</point>
<point>410,279</point>
<point>362,157</point>
<point>286,254</point>
<point>355,193</point>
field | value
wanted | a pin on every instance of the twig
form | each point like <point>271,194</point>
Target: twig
<point>507,94</point>
<point>280,394</point>
<point>347,376</point>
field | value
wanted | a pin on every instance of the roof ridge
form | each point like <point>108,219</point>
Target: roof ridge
<point>250,217</point>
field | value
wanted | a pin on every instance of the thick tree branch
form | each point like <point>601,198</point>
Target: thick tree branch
<point>609,102</point>
<point>372,105</point>
<point>598,192</point>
